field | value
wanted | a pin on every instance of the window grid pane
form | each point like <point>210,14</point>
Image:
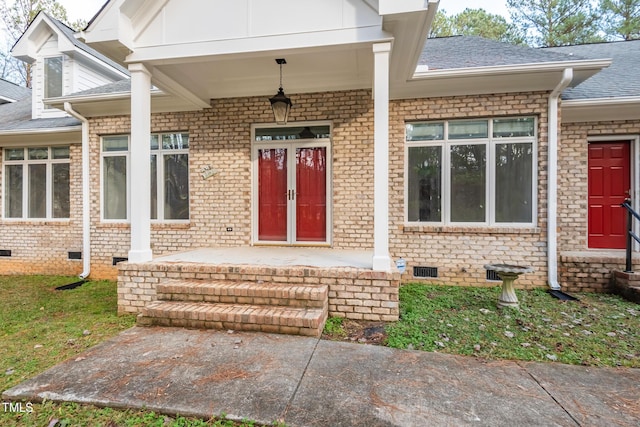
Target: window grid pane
<point>514,186</point>
<point>115,187</point>
<point>61,190</point>
<point>53,77</point>
<point>13,191</point>
<point>14,154</point>
<point>425,184</point>
<point>176,186</point>
<point>468,183</point>
<point>115,143</point>
<point>37,191</point>
<point>468,129</point>
<point>425,131</point>
<point>154,186</point>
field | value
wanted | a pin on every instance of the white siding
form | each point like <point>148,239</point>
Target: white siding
<point>88,78</point>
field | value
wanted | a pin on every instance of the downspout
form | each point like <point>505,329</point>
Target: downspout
<point>552,180</point>
<point>86,202</point>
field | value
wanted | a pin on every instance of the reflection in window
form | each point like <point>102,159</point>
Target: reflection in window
<point>37,183</point>
<point>489,180</point>
<point>468,183</point>
<point>514,187</point>
<point>425,184</point>
<point>52,77</point>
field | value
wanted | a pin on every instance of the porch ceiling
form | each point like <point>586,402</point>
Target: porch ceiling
<point>257,74</point>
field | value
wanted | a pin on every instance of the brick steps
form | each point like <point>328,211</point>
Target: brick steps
<point>243,292</point>
<point>238,305</point>
<point>243,317</point>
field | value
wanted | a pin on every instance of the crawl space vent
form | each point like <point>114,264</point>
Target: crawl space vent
<point>5,252</point>
<point>425,271</point>
<point>116,260</point>
<point>493,276</point>
<point>75,255</point>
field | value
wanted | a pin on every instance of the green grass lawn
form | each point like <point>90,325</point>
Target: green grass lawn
<point>598,330</point>
<point>40,327</point>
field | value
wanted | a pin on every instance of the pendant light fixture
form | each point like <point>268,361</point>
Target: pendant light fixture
<point>280,103</point>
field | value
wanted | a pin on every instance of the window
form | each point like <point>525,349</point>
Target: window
<point>37,182</point>
<point>471,171</point>
<point>53,77</point>
<point>169,164</point>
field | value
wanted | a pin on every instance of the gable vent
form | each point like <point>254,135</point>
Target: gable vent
<point>493,276</point>
<point>425,271</point>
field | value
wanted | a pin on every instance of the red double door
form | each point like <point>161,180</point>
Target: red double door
<point>292,183</point>
<point>609,186</point>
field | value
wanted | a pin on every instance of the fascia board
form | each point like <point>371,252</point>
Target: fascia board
<point>601,109</point>
<point>595,65</point>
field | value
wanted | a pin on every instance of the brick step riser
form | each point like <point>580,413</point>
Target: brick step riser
<point>223,317</point>
<point>238,299</point>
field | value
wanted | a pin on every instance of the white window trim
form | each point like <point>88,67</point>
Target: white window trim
<point>160,153</point>
<point>160,170</point>
<point>122,153</point>
<point>49,162</point>
<point>490,142</point>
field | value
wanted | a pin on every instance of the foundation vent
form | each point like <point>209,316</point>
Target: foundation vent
<point>425,271</point>
<point>5,252</point>
<point>116,260</point>
<point>493,276</point>
<point>75,255</point>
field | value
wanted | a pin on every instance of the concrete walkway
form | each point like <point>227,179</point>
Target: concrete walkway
<point>310,382</point>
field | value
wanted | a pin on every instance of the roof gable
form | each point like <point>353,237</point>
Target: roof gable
<point>45,29</point>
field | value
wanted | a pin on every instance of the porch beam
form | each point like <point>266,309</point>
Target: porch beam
<point>381,258</point>
<point>140,167</point>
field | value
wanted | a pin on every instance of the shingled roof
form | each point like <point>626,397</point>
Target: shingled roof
<point>16,116</point>
<point>11,92</point>
<point>445,53</point>
<point>618,80</point>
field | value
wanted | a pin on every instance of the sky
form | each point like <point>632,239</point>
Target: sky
<point>86,9</point>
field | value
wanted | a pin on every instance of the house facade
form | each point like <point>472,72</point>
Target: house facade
<point>449,154</point>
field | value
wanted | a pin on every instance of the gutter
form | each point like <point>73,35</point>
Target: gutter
<point>552,180</point>
<point>587,64</point>
<point>86,202</point>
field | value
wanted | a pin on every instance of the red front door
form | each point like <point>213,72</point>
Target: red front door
<point>292,194</point>
<point>609,185</point>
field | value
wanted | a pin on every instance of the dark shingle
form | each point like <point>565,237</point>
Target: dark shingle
<point>619,79</point>
<point>13,91</point>
<point>444,53</point>
<point>17,116</point>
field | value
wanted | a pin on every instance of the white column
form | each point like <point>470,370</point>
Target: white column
<point>140,168</point>
<point>381,258</point>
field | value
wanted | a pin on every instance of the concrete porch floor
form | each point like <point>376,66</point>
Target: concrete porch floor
<point>276,256</point>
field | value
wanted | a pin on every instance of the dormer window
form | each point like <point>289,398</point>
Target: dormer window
<point>52,77</point>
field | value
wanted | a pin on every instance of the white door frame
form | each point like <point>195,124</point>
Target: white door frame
<point>291,145</point>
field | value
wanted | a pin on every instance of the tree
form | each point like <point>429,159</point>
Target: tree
<point>621,18</point>
<point>555,22</point>
<point>475,22</point>
<point>16,18</point>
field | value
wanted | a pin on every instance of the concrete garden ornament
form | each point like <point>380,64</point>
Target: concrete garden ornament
<point>508,274</point>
